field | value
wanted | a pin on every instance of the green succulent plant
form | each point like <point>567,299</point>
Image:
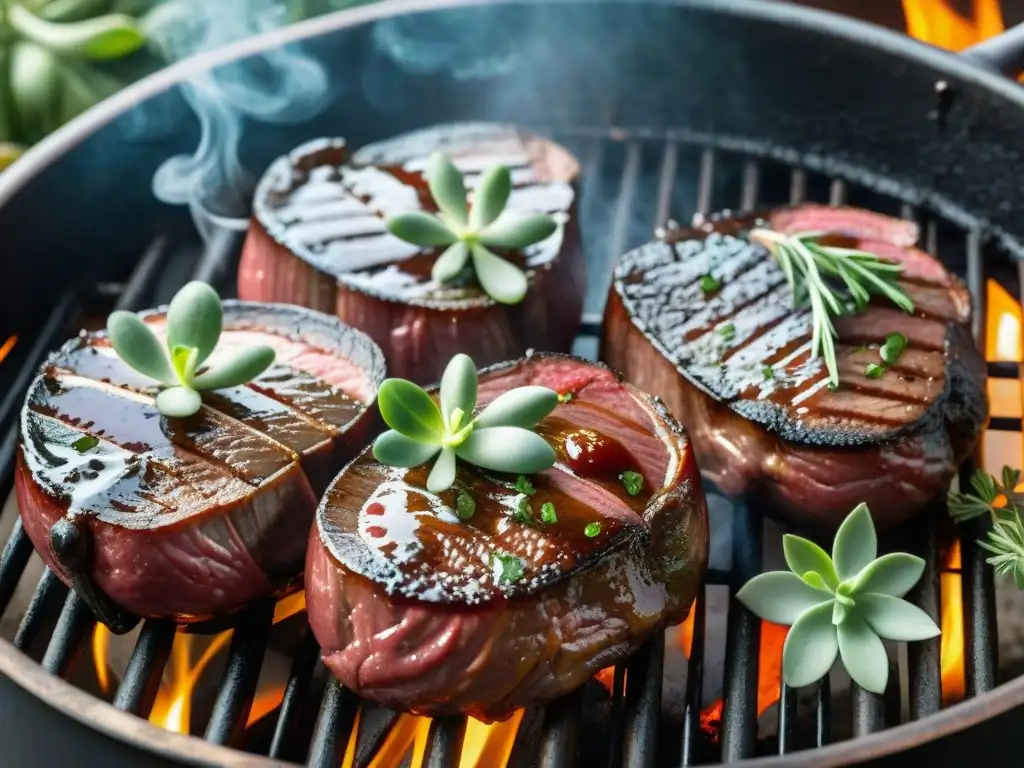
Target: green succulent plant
<point>500,438</point>
<point>840,606</point>
<point>194,324</point>
<point>467,233</point>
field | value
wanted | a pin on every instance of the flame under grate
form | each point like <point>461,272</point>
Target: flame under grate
<point>633,184</point>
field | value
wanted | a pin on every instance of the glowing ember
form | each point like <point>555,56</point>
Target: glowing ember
<point>938,23</point>
<point>100,652</point>
<point>686,631</point>
<point>483,746</point>
<point>951,648</point>
<point>606,677</point>
<point>7,346</point>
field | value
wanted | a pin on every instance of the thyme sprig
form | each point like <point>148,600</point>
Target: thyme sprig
<point>1003,503</point>
<point>833,282</point>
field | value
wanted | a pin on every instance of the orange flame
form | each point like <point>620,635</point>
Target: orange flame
<point>100,652</point>
<point>289,606</point>
<point>172,709</point>
<point>936,22</point>
<point>769,678</point>
<point>951,646</point>
<point>485,745</point>
<point>7,346</point>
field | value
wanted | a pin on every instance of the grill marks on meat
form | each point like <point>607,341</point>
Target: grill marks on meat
<point>318,239</point>
<point>235,485</point>
<point>745,350</point>
<point>409,602</point>
<point>747,346</point>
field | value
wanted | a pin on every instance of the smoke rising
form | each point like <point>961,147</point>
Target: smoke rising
<point>280,86</point>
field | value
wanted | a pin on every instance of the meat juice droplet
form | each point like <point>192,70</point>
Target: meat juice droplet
<point>589,452</point>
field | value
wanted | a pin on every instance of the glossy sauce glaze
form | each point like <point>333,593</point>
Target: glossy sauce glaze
<point>381,523</point>
<point>328,206</point>
<point>745,344</point>
<point>93,438</point>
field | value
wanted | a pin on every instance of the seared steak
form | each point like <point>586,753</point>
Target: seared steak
<point>192,518</point>
<point>318,239</point>
<point>428,613</point>
<point>734,365</point>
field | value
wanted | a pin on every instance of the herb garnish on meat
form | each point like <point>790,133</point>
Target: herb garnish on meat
<point>833,282</point>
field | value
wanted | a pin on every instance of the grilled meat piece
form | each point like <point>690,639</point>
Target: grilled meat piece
<point>425,612</point>
<point>192,518</point>
<point>734,365</point>
<point>318,239</point>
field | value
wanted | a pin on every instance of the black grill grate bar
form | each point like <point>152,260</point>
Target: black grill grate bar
<point>294,693</point>
<point>666,181</point>
<point>694,682</point>
<point>241,675</point>
<point>924,669</point>
<point>706,185</point>
<point>837,192</point>
<point>751,190</point>
<point>643,703</point>
<point>141,681</point>
<point>50,594</point>
<point>742,641</point>
<point>14,560</point>
<point>977,580</point>
<point>868,711</point>
<point>615,724</point>
<point>333,726</point>
<point>444,742</point>
<point>823,720</point>
<point>623,206</point>
<point>787,718</point>
<point>797,186</point>
<point>560,735</point>
<point>69,638</point>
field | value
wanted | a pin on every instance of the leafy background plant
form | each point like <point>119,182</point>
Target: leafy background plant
<point>60,57</point>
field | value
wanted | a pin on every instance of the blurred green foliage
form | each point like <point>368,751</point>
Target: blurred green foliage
<point>59,57</point>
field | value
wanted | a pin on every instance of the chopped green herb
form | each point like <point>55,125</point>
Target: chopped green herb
<point>709,284</point>
<point>632,481</point>
<point>523,485</point>
<point>727,331</point>
<point>547,513</point>
<point>510,567</point>
<point>524,512</point>
<point>565,398</point>
<point>85,443</point>
<point>832,386</point>
<point>592,530</point>
<point>874,371</point>
<point>465,506</point>
<point>894,346</point>
<point>768,373</point>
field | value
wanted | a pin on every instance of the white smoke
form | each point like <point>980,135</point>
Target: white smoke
<point>280,86</point>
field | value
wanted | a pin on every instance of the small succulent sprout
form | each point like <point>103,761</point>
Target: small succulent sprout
<point>468,233</point>
<point>500,438</point>
<point>840,606</point>
<point>194,324</point>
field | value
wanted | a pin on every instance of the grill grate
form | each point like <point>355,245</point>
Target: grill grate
<point>657,188</point>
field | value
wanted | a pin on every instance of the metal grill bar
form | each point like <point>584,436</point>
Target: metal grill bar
<point>333,726</point>
<point>694,681</point>
<point>295,691</point>
<point>633,737</point>
<point>444,742</point>
<point>643,703</point>
<point>141,681</point>
<point>923,657</point>
<point>50,594</point>
<point>560,738</point>
<point>238,685</point>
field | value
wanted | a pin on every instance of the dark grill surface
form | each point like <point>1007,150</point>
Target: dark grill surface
<point>632,185</point>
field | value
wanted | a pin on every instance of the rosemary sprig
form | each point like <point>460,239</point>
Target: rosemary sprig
<point>833,282</point>
<point>1003,503</point>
